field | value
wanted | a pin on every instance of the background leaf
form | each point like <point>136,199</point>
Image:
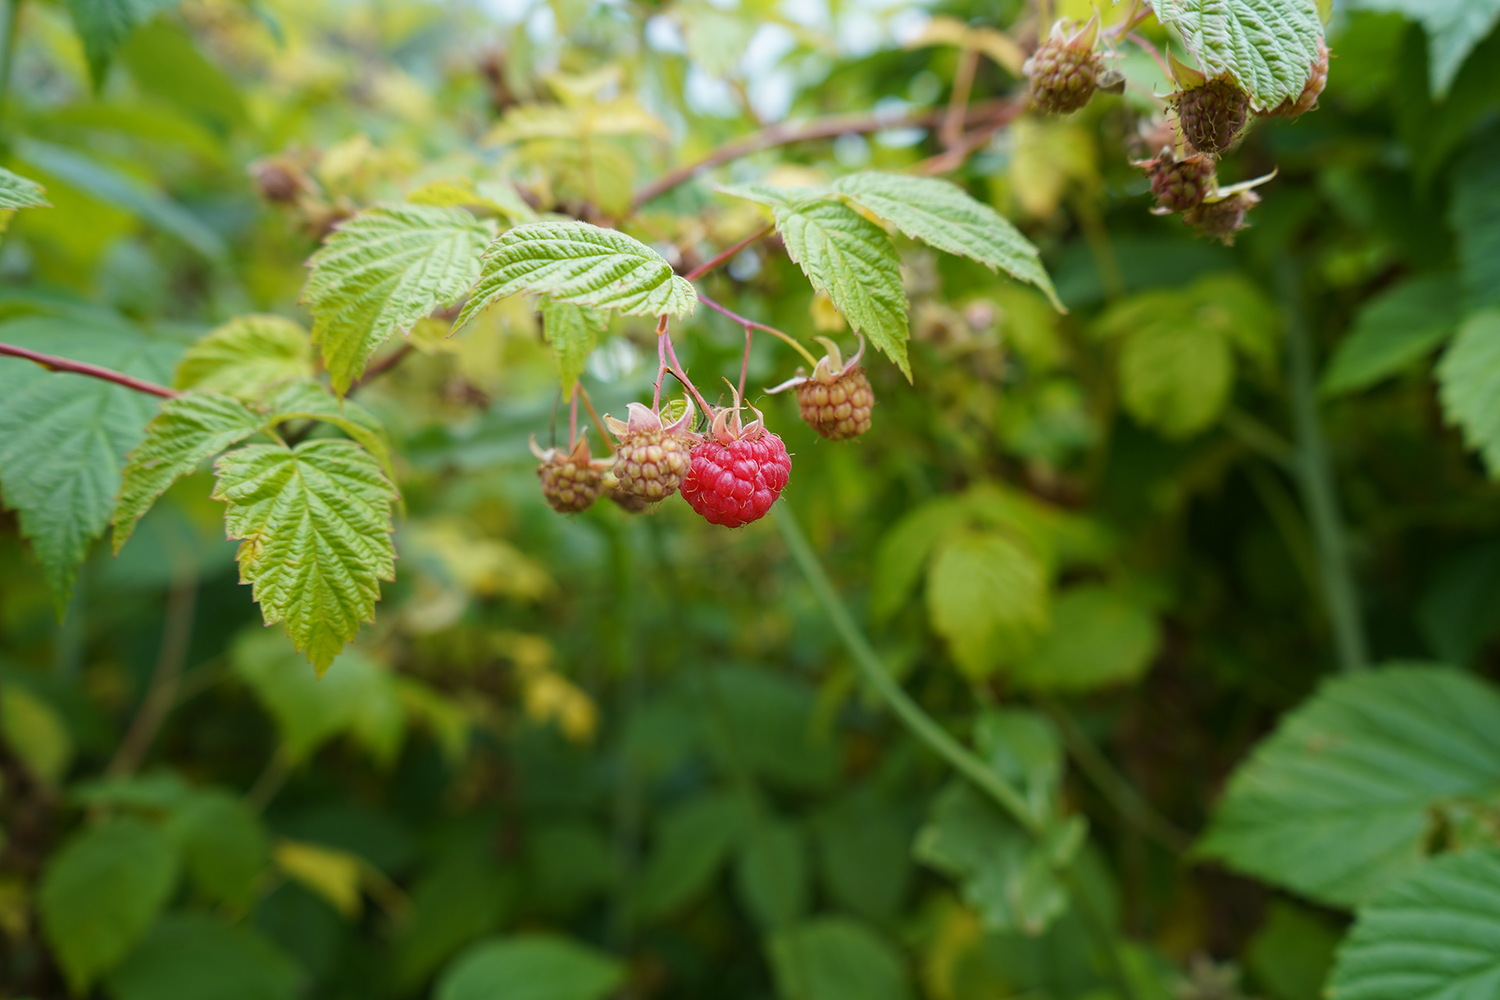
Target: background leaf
<point>19,192</point>
<point>1474,215</point>
<point>1339,801</point>
<point>987,595</point>
<point>1453,30</point>
<point>246,356</point>
<point>191,956</point>
<point>530,967</point>
<point>64,438</point>
<point>101,892</point>
<point>834,958</point>
<point>771,873</point>
<point>1394,330</point>
<point>383,270</point>
<point>316,524</point>
<point>1432,935</point>
<point>1099,636</point>
<point>103,26</point>
<point>1469,384</point>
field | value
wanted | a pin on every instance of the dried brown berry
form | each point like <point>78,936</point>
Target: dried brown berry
<point>1212,115</point>
<point>1221,219</point>
<point>1064,70</point>
<point>652,457</point>
<point>279,179</point>
<point>570,483</point>
<point>1179,185</point>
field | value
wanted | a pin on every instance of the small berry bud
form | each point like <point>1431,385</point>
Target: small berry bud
<point>1221,219</point>
<point>1213,115</point>
<point>836,400</point>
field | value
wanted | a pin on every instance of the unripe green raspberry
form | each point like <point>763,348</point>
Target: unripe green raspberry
<point>570,483</point>
<point>652,457</point>
<point>1064,70</point>
<point>839,409</point>
<point>1212,115</point>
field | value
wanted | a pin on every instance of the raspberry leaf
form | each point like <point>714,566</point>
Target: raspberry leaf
<point>1433,935</point>
<point>833,958</point>
<point>20,192</point>
<point>64,438</point>
<point>247,355</point>
<point>987,595</point>
<point>316,525</point>
<point>574,332</point>
<point>1394,330</point>
<point>1268,46</point>
<point>1453,30</point>
<point>944,216</point>
<point>844,255</point>
<point>1474,215</point>
<point>383,270</point>
<point>583,265</point>
<point>1100,636</point>
<point>189,429</point>
<point>536,965</point>
<point>311,401</point>
<point>1469,385</point>
<point>1340,801</point>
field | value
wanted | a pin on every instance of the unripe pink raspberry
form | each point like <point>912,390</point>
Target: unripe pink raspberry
<point>836,399</point>
<point>738,471</point>
<point>652,457</point>
<point>1179,185</point>
<point>570,483</point>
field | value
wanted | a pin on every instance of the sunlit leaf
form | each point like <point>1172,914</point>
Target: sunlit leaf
<point>987,595</point>
<point>316,524</point>
<point>1099,636</point>
<point>573,331</point>
<point>383,270</point>
<point>247,355</point>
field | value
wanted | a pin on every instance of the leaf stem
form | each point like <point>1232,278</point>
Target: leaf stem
<point>917,721</point>
<point>56,364</point>
<point>752,324</point>
<point>588,404</point>
<point>677,372</point>
<point>709,265</point>
<point>952,130</point>
<point>1316,480</point>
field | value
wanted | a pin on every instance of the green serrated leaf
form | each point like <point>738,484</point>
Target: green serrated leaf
<point>1474,214</point>
<point>1469,385</point>
<point>381,272</point>
<point>189,429</point>
<point>781,198</point>
<point>942,215</point>
<point>835,958</point>
<point>1453,30</point>
<point>987,595</point>
<point>573,331</point>
<point>1339,801</point>
<point>311,401</point>
<point>190,956</point>
<point>246,356</point>
<point>1433,936</point>
<point>64,437</point>
<point>100,893</point>
<point>19,192</point>
<point>1269,46</point>
<point>316,525</point>
<point>1394,330</point>
<point>852,260</point>
<point>584,265</point>
<point>530,967</point>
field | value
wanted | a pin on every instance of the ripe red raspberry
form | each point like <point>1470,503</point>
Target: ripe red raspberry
<point>738,472</point>
<point>1179,185</point>
<point>836,399</point>
<point>570,483</point>
<point>652,457</point>
<point>1221,219</point>
<point>1064,70</point>
<point>1308,99</point>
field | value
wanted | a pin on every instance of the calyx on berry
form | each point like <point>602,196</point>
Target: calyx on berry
<point>653,455</point>
<point>836,400</point>
<point>738,470</point>
<point>570,482</point>
<point>1065,70</point>
<point>1221,214</point>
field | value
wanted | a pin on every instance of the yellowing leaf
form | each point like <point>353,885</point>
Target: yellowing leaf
<point>34,733</point>
<point>333,874</point>
<point>316,524</point>
<point>246,356</point>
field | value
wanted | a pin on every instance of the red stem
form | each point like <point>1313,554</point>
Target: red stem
<point>681,376</point>
<point>750,324</point>
<point>745,365</point>
<point>704,268</point>
<point>56,364</point>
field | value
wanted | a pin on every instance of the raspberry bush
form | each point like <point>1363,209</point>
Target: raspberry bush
<point>1140,643</point>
